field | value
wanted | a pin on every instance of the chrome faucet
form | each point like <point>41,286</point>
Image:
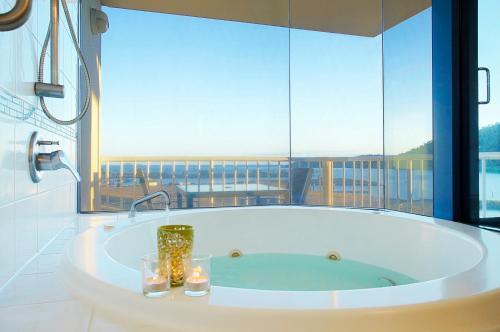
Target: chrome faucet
<point>55,160</point>
<point>41,161</point>
<point>147,198</point>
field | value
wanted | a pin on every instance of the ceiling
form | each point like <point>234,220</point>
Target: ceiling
<point>353,17</point>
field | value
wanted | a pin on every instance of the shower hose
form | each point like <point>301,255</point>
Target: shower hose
<point>82,61</point>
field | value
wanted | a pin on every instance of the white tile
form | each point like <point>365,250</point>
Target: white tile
<point>67,316</point>
<point>72,198</point>
<point>72,151</point>
<point>56,247</point>
<point>7,158</point>
<point>26,230</point>
<point>67,206</point>
<point>46,263</point>
<point>31,268</point>
<point>68,233</point>
<point>27,64</point>
<point>69,58</point>
<point>42,8</point>
<point>70,101</point>
<point>34,288</point>
<point>55,213</point>
<point>49,263</point>
<point>31,23</point>
<point>49,221</point>
<point>7,243</point>
<point>24,186</point>
<point>54,105</point>
<point>73,12</point>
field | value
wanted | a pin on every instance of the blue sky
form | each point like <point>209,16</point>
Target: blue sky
<point>174,85</point>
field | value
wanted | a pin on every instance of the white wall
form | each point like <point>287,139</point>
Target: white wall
<point>32,214</point>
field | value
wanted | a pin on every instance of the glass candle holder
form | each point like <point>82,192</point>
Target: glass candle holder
<point>197,282</point>
<point>175,241</point>
<point>155,275</point>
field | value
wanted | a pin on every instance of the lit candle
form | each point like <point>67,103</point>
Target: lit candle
<point>155,275</point>
<point>155,284</point>
<point>197,282</point>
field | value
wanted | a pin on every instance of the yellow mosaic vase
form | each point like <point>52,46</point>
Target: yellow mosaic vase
<point>177,242</point>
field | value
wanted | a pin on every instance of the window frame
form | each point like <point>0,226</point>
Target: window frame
<point>455,116</point>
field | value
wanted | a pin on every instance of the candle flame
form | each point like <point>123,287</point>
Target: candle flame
<point>197,271</point>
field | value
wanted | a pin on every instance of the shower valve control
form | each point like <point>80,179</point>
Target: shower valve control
<point>40,161</point>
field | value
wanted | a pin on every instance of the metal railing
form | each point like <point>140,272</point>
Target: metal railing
<point>118,176</point>
<point>336,181</point>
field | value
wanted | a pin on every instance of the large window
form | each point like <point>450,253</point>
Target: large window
<point>408,113</point>
<point>194,106</point>
<point>236,113</point>
<point>489,112</point>
<point>337,110</point>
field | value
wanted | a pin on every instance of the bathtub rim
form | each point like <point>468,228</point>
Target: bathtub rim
<point>421,293</point>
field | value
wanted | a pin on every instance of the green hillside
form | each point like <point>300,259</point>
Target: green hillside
<point>489,138</point>
<point>489,141</point>
<point>425,148</point>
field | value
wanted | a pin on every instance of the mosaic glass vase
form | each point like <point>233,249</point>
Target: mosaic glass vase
<point>176,242</point>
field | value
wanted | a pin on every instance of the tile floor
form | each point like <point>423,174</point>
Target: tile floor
<point>35,300</point>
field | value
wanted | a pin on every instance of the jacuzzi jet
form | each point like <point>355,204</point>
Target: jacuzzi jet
<point>235,253</point>
<point>333,255</point>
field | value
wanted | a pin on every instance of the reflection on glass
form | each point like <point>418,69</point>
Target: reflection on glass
<point>408,112</point>
<point>489,114</point>
<point>225,113</point>
<point>201,111</point>
<point>336,104</point>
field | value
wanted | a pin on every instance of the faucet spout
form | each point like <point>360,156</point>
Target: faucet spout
<point>163,193</point>
<point>56,160</point>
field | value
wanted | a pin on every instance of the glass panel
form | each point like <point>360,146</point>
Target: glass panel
<point>489,112</point>
<point>229,113</point>
<point>198,107</point>
<point>408,109</point>
<point>336,102</point>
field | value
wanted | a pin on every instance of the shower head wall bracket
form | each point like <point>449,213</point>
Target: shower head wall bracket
<point>49,90</point>
<point>54,89</point>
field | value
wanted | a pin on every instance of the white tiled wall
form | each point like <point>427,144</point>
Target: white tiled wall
<point>32,214</point>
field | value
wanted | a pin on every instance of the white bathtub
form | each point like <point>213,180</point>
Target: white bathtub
<point>457,266</point>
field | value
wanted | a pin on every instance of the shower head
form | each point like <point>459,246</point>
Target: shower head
<point>99,22</point>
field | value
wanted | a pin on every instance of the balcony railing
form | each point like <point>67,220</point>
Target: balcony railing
<point>490,206</point>
<point>344,182</point>
<point>202,181</point>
